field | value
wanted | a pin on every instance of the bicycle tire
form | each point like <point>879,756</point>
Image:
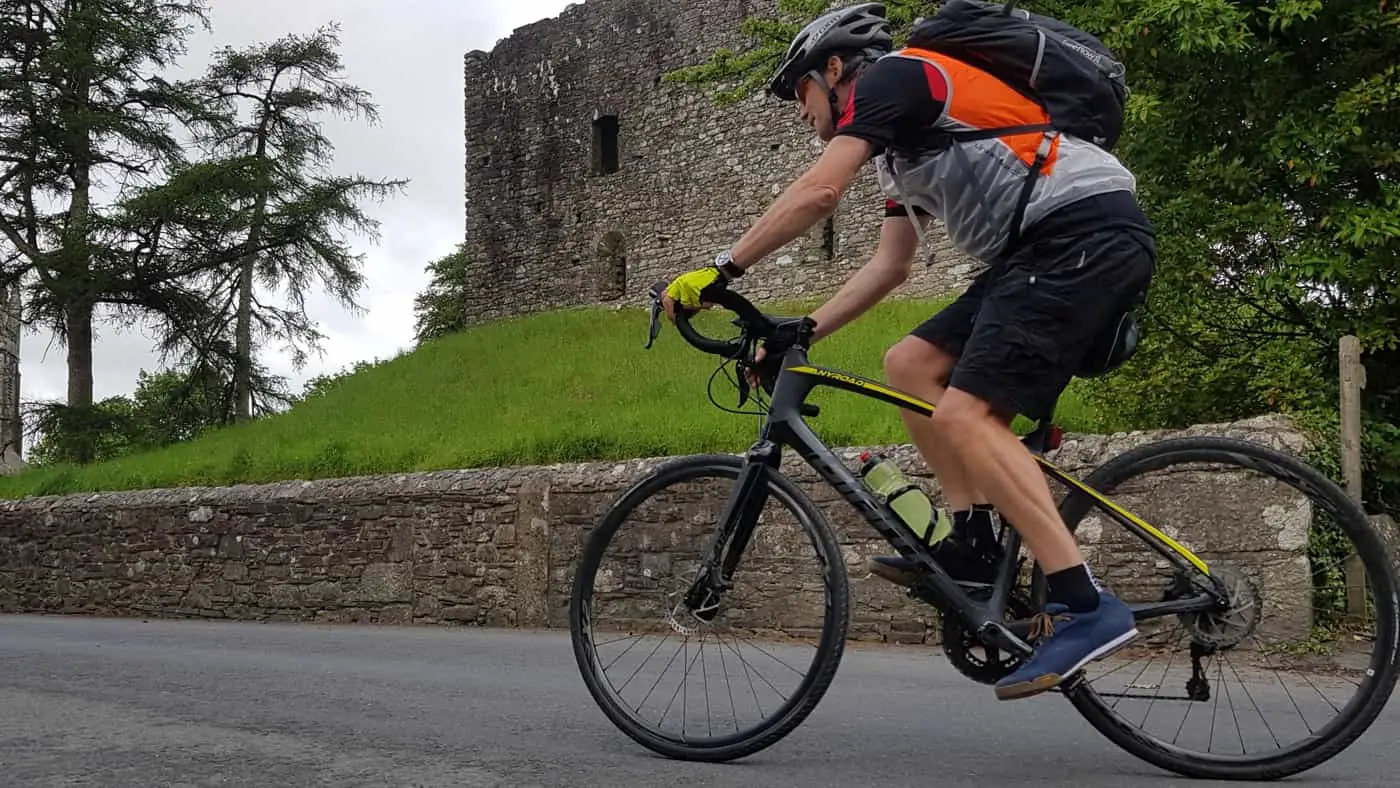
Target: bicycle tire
<point>1358,715</point>
<point>829,650</point>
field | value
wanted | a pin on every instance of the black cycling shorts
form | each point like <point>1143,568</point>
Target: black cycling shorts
<point>1021,329</point>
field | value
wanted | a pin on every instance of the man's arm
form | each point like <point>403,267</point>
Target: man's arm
<point>807,201</point>
<point>886,270</point>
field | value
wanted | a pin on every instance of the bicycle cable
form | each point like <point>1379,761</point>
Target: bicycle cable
<point>755,392</point>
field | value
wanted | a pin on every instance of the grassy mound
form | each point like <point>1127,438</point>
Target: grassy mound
<point>571,385</point>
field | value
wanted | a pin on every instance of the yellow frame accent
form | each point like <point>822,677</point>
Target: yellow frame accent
<point>859,384</point>
<point>1134,519</point>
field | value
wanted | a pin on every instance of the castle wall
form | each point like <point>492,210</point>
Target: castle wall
<point>548,226</point>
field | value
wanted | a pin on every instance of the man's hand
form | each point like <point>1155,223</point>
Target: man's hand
<point>792,332</point>
<point>690,290</point>
<point>752,373</point>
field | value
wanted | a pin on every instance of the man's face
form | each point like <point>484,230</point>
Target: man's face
<point>813,102</point>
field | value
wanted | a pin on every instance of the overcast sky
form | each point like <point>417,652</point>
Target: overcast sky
<point>408,54</point>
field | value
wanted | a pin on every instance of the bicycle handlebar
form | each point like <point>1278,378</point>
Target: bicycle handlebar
<point>755,324</point>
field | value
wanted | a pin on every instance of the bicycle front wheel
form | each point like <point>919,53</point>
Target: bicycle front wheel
<point>783,623</point>
<point>1305,656</point>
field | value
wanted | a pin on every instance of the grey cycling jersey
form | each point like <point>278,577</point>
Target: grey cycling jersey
<point>974,186</point>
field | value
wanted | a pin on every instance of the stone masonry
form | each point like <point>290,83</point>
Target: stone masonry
<point>498,547</point>
<point>588,178</point>
<point>11,424</point>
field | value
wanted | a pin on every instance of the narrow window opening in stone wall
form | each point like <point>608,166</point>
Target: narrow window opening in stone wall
<point>486,160</point>
<point>606,157</point>
<point>829,238</point>
<point>612,266</point>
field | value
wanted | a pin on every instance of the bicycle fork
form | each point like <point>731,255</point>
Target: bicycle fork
<point>747,498</point>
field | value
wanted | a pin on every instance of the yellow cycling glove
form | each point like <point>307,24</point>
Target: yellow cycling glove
<point>687,289</point>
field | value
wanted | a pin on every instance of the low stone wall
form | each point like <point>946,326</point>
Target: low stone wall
<point>497,547</point>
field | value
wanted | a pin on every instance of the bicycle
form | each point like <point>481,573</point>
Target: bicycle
<point>1219,605</point>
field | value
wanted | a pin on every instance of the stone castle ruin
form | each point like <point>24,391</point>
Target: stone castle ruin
<point>588,177</point>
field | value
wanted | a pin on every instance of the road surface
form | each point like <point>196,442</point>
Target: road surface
<point>94,702</point>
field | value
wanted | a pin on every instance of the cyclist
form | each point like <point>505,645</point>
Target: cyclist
<point>1082,254</point>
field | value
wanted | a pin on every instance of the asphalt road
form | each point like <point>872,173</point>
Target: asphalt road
<point>87,702</point>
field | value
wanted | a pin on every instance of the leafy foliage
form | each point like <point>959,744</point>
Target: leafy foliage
<point>1276,204</point>
<point>438,310</point>
<point>167,407</point>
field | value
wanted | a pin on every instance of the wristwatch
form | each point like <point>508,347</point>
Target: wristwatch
<point>724,261</point>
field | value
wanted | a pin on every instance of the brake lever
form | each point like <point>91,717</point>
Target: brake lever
<point>655,329</point>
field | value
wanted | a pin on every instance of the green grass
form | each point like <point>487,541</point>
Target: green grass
<point>572,385</point>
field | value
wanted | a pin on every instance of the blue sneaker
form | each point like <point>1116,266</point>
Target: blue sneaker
<point>1069,641</point>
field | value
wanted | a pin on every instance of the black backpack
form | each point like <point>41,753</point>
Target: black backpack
<point>1069,72</point>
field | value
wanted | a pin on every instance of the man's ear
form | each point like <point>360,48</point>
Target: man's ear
<point>835,70</point>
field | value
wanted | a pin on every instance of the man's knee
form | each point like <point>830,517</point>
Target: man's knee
<point>912,362</point>
<point>960,410</point>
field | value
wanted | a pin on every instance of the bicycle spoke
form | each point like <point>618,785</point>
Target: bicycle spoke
<point>782,588</point>
<point>1294,615</point>
<point>1157,694</point>
<point>729,686</point>
<point>644,662</point>
<point>1257,710</point>
<point>658,679</point>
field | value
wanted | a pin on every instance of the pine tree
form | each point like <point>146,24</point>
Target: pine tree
<point>289,209</point>
<point>82,107</point>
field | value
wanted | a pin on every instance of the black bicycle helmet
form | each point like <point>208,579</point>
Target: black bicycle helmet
<point>853,29</point>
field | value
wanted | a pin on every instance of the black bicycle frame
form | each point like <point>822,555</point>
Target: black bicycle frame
<point>785,426</point>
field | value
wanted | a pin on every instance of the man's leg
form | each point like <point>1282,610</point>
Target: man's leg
<point>989,452</point>
<point>921,364</point>
<point>923,369</point>
<point>1035,323</point>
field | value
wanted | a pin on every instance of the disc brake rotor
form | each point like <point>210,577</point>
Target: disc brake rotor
<point>1224,629</point>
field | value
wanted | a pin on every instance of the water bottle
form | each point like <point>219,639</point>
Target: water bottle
<point>904,497</point>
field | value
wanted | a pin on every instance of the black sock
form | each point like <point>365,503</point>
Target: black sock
<point>980,526</point>
<point>1073,588</point>
<point>973,527</point>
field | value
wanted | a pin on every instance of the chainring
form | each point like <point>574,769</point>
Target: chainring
<point>982,664</point>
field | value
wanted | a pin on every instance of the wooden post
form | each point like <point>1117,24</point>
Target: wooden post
<point>1353,380</point>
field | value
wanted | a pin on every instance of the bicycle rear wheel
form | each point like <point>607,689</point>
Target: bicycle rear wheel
<point>773,608</point>
<point>1219,706</point>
